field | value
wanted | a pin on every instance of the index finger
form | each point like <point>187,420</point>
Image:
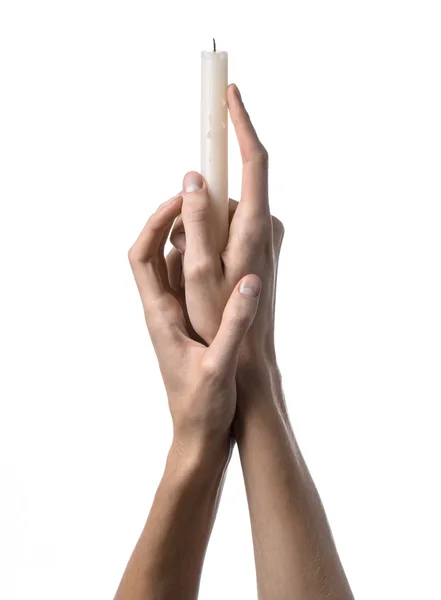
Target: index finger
<point>254,198</point>
<point>146,255</point>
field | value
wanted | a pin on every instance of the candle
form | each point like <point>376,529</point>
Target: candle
<point>214,137</point>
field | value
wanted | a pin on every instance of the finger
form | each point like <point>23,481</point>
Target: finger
<point>232,207</point>
<point>144,253</point>
<point>177,236</point>
<point>237,318</point>
<point>174,269</point>
<point>162,264</point>
<point>149,240</point>
<point>254,196</point>
<point>197,218</point>
<point>177,285</point>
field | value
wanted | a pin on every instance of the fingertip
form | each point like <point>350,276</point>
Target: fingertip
<point>234,91</point>
<point>250,285</point>
<point>192,182</point>
<point>234,101</point>
<point>245,132</point>
<point>174,202</point>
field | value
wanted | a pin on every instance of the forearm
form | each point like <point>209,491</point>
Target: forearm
<point>294,550</point>
<point>167,560</point>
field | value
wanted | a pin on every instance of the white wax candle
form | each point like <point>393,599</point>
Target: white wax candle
<point>214,137</point>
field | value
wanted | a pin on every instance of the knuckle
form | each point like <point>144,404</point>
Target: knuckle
<point>278,235</point>
<point>209,368</point>
<point>263,224</point>
<point>133,256</point>
<point>198,214</point>
<point>278,227</point>
<point>196,199</point>
<point>178,240</point>
<point>197,209</point>
<point>137,258</point>
<point>259,232</point>
<point>260,155</point>
<point>199,269</point>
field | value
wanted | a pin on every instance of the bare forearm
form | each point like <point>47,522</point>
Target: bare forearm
<point>295,553</point>
<point>167,560</point>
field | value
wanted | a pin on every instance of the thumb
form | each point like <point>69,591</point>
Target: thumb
<point>197,217</point>
<point>237,318</point>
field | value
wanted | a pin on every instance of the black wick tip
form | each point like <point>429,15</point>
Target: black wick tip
<point>214,45</point>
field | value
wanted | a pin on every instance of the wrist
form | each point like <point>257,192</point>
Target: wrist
<point>258,377</point>
<point>201,457</point>
<point>259,390</point>
<point>257,358</point>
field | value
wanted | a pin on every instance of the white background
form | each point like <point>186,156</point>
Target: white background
<point>99,121</point>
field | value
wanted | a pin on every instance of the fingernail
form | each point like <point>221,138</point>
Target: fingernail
<point>192,182</point>
<point>250,286</point>
<point>168,202</point>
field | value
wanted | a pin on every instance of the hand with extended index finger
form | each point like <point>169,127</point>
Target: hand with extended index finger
<point>199,380</point>
<point>253,245</point>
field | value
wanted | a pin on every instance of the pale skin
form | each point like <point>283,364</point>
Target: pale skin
<point>210,316</point>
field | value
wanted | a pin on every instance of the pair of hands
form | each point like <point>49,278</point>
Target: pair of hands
<point>210,315</point>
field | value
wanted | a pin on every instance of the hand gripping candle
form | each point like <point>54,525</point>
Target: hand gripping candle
<point>214,137</point>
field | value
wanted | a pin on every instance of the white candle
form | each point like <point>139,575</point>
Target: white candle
<point>214,137</point>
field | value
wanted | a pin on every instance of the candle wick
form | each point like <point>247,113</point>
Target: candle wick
<point>214,45</point>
